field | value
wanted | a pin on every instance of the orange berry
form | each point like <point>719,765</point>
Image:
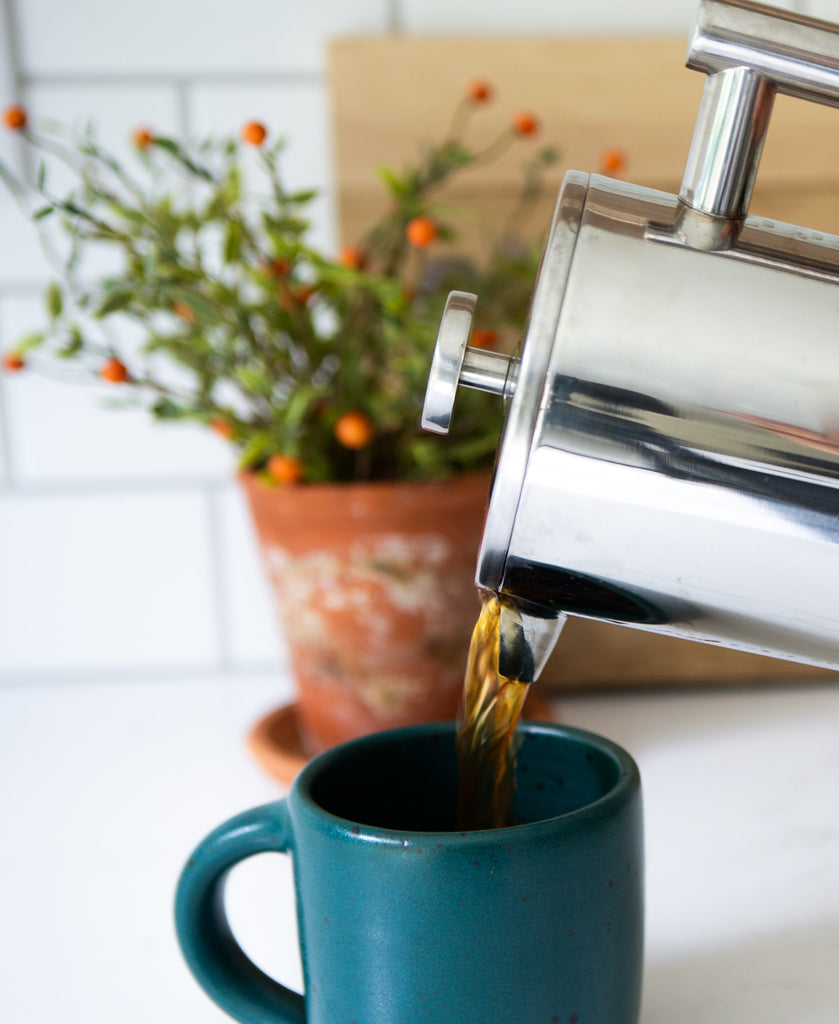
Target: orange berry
<point>524,123</point>
<point>354,430</point>
<point>285,469</point>
<point>275,267</point>
<point>351,256</point>
<point>292,297</point>
<point>14,117</point>
<point>222,428</point>
<point>114,371</point>
<point>421,232</point>
<point>142,138</point>
<point>254,133</point>
<point>184,311</point>
<point>13,361</point>
<point>479,91</point>
<point>612,161</point>
<point>483,337</point>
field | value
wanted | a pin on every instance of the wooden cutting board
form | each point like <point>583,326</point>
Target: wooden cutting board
<point>388,93</point>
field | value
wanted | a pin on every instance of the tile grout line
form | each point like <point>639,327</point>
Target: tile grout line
<point>81,487</point>
<point>8,15</point>
<point>10,680</point>
<point>169,78</point>
<point>395,22</point>
<point>8,31</point>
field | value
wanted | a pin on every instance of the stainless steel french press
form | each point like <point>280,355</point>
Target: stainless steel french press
<point>670,455</point>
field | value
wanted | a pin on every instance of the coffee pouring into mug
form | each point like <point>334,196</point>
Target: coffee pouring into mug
<point>670,455</point>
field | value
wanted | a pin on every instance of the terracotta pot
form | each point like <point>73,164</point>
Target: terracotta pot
<point>375,591</point>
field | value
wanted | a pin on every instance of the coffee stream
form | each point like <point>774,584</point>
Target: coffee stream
<point>486,739</point>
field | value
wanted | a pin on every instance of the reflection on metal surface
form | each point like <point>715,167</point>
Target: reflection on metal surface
<point>523,411</point>
<point>449,353</point>
<point>551,590</point>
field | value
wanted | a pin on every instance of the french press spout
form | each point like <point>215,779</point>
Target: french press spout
<point>670,453</point>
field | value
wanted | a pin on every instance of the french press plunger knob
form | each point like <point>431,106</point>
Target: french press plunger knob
<point>456,364</point>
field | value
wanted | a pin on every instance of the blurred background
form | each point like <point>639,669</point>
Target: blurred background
<point>125,548</point>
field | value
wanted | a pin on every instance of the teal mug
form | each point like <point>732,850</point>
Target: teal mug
<point>405,919</point>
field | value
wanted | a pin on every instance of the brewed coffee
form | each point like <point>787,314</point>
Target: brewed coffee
<point>486,738</point>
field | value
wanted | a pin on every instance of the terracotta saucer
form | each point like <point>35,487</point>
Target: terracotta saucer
<point>276,746</point>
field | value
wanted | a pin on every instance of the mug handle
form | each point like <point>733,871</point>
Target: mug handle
<point>215,958</point>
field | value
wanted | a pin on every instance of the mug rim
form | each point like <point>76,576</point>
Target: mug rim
<point>628,782</point>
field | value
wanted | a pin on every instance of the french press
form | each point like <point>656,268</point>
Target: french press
<point>670,454</point>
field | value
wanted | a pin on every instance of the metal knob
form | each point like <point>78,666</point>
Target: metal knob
<point>455,364</point>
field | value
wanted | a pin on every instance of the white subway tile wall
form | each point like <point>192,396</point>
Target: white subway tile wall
<point>827,9</point>
<point>125,545</point>
<point>107,581</point>
<point>63,429</point>
<point>4,453</point>
<point>176,39</point>
<point>595,17</point>
<point>546,17</point>
<point>252,633</point>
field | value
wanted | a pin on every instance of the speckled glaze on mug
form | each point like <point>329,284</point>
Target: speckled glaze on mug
<point>403,919</point>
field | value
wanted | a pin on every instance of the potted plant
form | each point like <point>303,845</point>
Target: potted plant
<point>313,367</point>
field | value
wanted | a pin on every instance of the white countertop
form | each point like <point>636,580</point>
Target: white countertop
<point>105,789</point>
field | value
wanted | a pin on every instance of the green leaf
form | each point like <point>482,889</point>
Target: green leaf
<point>199,305</point>
<point>183,158</point>
<point>92,149</point>
<point>259,446</point>
<point>75,344</point>
<point>304,196</point>
<point>42,212</point>
<point>166,409</point>
<point>114,301</point>
<point>150,259</point>
<point>233,237</point>
<point>30,341</point>
<point>54,300</point>
<point>232,187</point>
<point>298,405</point>
<point>16,187</point>
<point>398,186</point>
<point>284,225</point>
<point>129,214</point>
<point>253,380</point>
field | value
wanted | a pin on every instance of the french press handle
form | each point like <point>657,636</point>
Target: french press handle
<point>750,52</point>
